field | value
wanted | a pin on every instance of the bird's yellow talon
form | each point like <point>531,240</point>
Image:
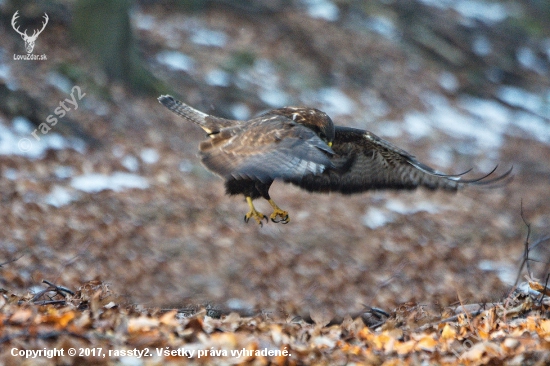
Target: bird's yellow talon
<point>280,213</point>
<point>258,216</point>
<point>277,212</point>
<point>253,213</point>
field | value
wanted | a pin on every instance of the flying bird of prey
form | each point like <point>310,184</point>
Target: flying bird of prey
<point>302,146</point>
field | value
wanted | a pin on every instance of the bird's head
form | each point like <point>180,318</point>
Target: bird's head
<point>312,118</point>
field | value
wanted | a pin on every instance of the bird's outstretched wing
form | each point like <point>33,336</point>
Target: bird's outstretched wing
<point>266,148</point>
<point>364,161</point>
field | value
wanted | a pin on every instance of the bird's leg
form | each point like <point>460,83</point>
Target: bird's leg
<point>278,212</point>
<point>258,216</point>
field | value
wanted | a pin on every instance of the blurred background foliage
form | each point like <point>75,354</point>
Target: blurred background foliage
<point>483,48</point>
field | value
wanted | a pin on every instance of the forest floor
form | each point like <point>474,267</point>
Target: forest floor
<point>147,261</point>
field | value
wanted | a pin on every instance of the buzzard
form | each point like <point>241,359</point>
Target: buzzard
<point>302,146</point>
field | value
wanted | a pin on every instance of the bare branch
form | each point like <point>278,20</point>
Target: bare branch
<point>58,290</point>
<point>525,260</point>
<point>12,260</point>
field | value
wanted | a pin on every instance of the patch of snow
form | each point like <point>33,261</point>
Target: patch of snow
<point>442,4</point>
<point>59,196</point>
<point>217,77</point>
<point>375,218</point>
<point>10,174</point>
<point>149,156</point>
<point>383,26</point>
<point>482,46</point>
<point>60,81</point>
<point>526,57</point>
<point>18,140</point>
<point>390,129</point>
<point>441,156</point>
<point>234,303</point>
<point>56,141</point>
<point>131,361</point>
<point>492,120</point>
<point>209,37</point>
<point>265,73</point>
<point>63,172</point>
<point>322,9</point>
<point>529,60</point>
<point>93,183</point>
<point>506,272</point>
<point>274,97</point>
<point>490,111</point>
<point>374,104</point>
<point>77,144</point>
<point>143,21</point>
<point>176,60</point>
<point>417,124</point>
<point>35,289</point>
<point>5,71</point>
<point>526,289</point>
<point>519,97</point>
<point>118,151</point>
<point>448,81</point>
<point>91,103</point>
<point>240,111</point>
<point>130,162</point>
<point>481,125</point>
<point>332,101</point>
<point>450,120</point>
<point>22,125</point>
<point>535,127</point>
<point>401,208</point>
<point>488,12</point>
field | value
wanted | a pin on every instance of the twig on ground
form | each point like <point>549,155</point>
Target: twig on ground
<point>12,260</point>
<point>525,259</point>
<point>465,312</point>
<point>50,302</point>
<point>59,290</point>
<point>453,318</point>
<point>377,313</point>
<point>543,292</point>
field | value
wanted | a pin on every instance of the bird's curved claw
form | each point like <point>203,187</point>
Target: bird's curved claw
<point>258,216</point>
<point>284,219</point>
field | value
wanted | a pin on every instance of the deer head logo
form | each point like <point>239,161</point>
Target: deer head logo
<point>29,40</point>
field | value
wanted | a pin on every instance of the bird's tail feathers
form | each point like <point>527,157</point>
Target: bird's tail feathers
<point>185,111</point>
